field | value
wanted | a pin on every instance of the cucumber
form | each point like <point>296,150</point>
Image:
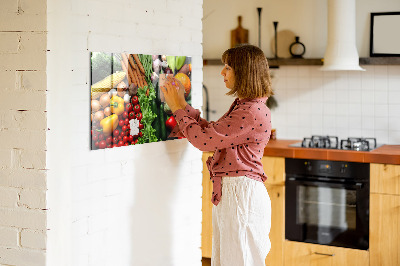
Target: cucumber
<point>163,127</point>
<point>156,122</point>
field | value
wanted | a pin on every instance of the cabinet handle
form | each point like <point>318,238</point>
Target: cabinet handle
<point>324,254</point>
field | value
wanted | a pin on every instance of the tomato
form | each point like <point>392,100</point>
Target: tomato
<point>121,143</point>
<point>170,123</point>
<point>125,139</point>
<point>136,108</point>
<point>136,141</point>
<point>115,140</point>
<point>95,138</point>
<point>139,116</point>
<point>126,121</point>
<point>130,138</point>
<point>102,144</point>
<point>109,145</point>
<point>131,115</point>
<point>123,133</point>
<point>141,126</point>
<point>96,144</point>
<point>140,134</point>
<point>129,108</point>
<point>114,145</point>
<point>116,133</point>
<point>124,128</point>
<point>121,123</point>
<point>109,140</point>
<point>119,137</point>
<point>125,114</point>
<point>135,100</point>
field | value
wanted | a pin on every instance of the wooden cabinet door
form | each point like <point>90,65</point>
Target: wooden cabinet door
<point>274,168</point>
<point>385,178</point>
<point>277,233</point>
<point>206,232</point>
<point>384,237</point>
<point>304,254</point>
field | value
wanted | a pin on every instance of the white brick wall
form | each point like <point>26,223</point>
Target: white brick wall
<point>23,132</point>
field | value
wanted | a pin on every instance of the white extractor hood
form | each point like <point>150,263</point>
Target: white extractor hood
<point>341,51</point>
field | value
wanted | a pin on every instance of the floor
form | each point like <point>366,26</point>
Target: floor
<point>206,261</point>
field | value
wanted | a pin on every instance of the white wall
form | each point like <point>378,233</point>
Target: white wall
<point>23,133</point>
<point>311,102</point>
<point>306,19</point>
<point>137,205</point>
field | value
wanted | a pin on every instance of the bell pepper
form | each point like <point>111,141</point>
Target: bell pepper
<point>117,105</point>
<point>109,124</point>
<point>171,122</point>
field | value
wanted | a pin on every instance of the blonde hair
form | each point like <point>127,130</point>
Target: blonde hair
<point>250,66</point>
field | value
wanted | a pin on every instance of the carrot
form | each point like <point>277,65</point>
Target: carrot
<point>139,63</point>
<point>134,80</point>
<point>137,74</point>
<point>125,59</point>
<point>132,62</point>
<point>126,71</point>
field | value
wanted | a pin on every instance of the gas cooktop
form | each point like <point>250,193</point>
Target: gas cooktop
<point>332,142</point>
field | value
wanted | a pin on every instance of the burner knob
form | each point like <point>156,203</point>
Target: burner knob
<point>343,168</point>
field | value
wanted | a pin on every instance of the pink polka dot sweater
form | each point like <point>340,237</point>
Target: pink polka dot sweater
<point>238,139</point>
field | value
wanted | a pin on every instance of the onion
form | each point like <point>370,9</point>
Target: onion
<point>98,116</point>
<point>105,100</point>
<point>95,105</point>
<point>107,111</point>
<point>127,98</point>
<point>112,92</point>
<point>121,94</point>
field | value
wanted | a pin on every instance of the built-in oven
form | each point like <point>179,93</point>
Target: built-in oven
<point>327,202</point>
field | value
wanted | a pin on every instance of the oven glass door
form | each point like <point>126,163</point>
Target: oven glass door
<point>326,213</point>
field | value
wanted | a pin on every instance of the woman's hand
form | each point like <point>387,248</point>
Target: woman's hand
<point>174,93</point>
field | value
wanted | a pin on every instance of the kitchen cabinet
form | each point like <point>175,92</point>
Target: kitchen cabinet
<point>274,168</point>
<point>206,226</point>
<point>385,215</point>
<point>305,254</point>
<point>385,178</point>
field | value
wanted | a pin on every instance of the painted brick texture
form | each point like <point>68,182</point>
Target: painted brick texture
<point>23,132</point>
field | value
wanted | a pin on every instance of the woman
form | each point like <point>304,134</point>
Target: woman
<point>242,208</point>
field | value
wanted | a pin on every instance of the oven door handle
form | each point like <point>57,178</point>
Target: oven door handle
<point>357,185</point>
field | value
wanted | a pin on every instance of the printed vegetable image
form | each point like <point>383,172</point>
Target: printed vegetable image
<point>117,105</point>
<point>126,103</point>
<point>109,124</point>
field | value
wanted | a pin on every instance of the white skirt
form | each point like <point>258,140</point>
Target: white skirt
<point>241,223</point>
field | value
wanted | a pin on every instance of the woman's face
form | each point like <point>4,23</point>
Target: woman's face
<point>229,76</point>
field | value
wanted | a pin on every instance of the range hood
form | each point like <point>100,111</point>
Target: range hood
<point>341,51</point>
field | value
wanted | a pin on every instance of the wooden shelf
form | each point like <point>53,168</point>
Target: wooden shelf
<point>380,61</point>
<point>274,63</point>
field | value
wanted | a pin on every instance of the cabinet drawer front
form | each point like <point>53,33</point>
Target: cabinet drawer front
<point>385,178</point>
<point>297,253</point>
<point>385,230</point>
